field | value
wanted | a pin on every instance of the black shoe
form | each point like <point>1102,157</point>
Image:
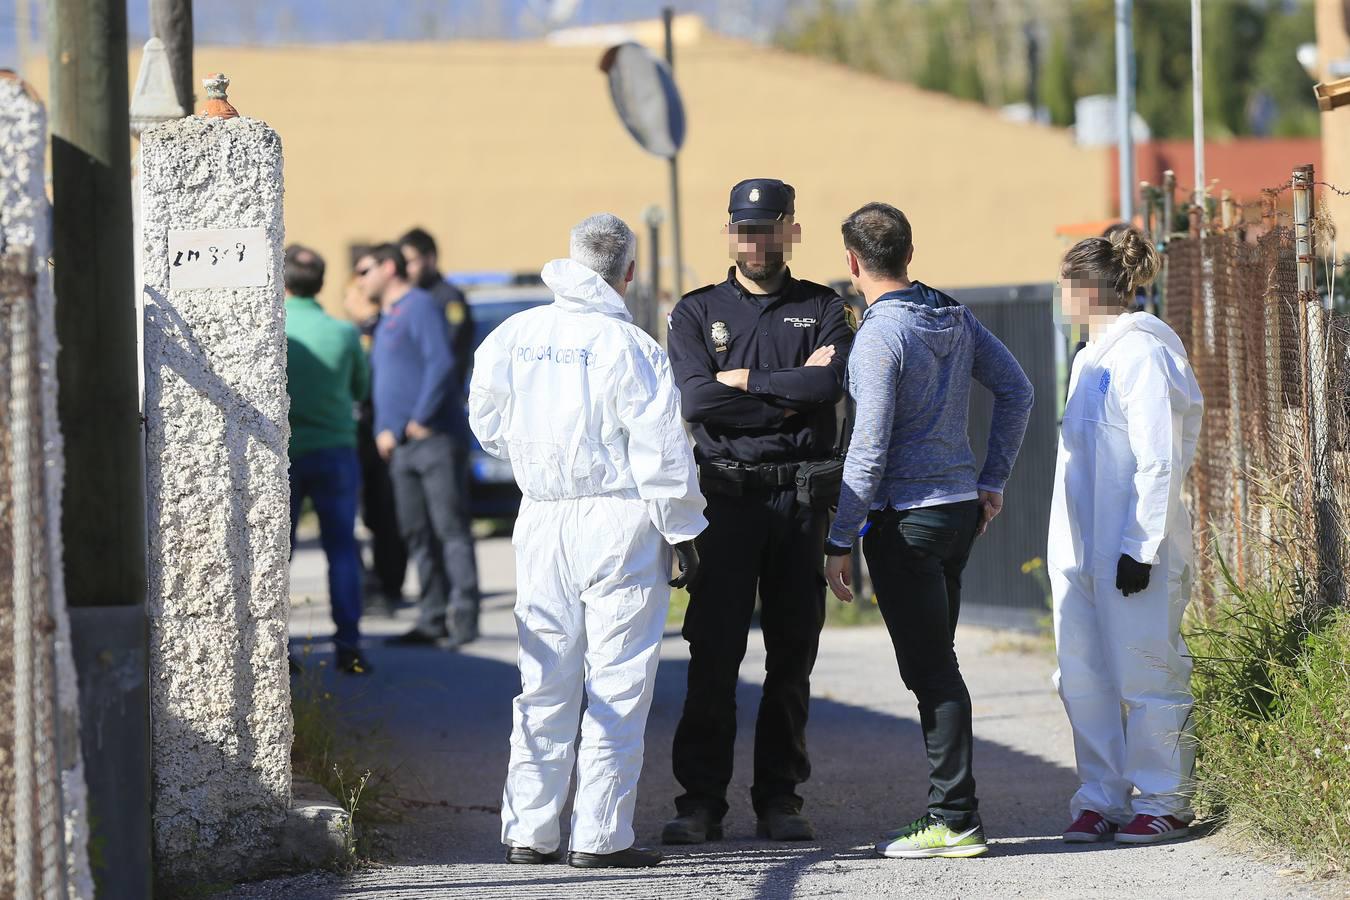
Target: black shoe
<point>382,605</point>
<point>692,828</point>
<point>528,856</point>
<point>456,639</point>
<point>462,629</point>
<point>632,858</point>
<point>785,825</point>
<point>352,662</point>
<point>419,636</point>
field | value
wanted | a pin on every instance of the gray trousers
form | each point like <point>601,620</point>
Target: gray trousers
<point>431,496</point>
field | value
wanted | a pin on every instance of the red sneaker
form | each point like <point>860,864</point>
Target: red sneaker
<point>1146,829</point>
<point>1089,828</point>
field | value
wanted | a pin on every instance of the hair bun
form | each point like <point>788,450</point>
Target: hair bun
<point>1137,258</point>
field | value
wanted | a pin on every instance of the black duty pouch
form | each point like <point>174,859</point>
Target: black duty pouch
<point>819,482</point>
<point>728,482</point>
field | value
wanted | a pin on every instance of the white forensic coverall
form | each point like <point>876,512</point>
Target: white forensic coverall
<point>584,406</point>
<point>1127,441</point>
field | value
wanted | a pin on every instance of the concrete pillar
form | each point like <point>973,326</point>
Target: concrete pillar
<point>43,838</point>
<point>217,494</point>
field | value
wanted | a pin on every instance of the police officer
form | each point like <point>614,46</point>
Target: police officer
<point>759,360</point>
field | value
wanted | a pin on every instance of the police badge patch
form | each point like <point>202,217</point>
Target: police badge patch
<point>850,317</point>
<point>721,336</point>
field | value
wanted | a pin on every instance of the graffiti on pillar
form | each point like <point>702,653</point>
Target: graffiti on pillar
<point>219,258</point>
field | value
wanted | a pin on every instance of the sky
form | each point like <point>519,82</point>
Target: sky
<point>303,21</point>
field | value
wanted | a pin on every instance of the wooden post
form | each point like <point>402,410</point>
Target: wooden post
<point>104,520</point>
<point>171,22</point>
<point>103,506</point>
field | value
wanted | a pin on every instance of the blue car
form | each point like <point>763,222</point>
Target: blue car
<point>492,487</point>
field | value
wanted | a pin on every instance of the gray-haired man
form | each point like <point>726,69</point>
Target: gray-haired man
<point>584,406</point>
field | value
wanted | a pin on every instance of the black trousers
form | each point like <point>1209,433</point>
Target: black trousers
<point>916,557</point>
<point>431,492</point>
<point>388,553</point>
<point>762,541</point>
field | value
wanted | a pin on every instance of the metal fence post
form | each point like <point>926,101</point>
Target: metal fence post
<point>1326,533</point>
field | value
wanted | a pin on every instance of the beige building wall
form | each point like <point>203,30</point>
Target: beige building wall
<point>497,148</point>
<point>1333,43</point>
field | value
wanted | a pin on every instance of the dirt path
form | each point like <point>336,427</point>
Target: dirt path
<point>444,721</point>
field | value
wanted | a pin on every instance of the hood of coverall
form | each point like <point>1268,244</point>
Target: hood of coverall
<point>929,313</point>
<point>1138,321</point>
<point>578,289</point>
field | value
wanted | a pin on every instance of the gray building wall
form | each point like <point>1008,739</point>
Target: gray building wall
<point>995,590</point>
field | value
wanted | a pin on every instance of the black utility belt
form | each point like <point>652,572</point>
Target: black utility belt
<point>816,482</point>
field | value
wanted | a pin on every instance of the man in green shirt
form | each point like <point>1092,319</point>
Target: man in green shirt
<point>327,375</point>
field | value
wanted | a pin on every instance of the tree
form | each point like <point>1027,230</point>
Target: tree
<point>973,48</point>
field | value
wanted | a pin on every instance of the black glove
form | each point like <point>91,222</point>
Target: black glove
<point>688,559</point>
<point>1131,575</point>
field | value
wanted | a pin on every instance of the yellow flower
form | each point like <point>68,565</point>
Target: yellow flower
<point>1032,565</point>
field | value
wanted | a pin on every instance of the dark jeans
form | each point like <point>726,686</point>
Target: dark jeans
<point>916,557</point>
<point>431,492</point>
<point>331,479</point>
<point>762,541</point>
<point>388,555</point>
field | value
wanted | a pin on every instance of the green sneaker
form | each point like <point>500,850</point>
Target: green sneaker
<point>929,836</point>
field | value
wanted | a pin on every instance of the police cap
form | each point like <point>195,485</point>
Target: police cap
<point>761,199</point>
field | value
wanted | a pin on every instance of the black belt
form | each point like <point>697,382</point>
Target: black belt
<point>747,475</point>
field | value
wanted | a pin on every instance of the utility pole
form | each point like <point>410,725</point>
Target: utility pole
<point>667,18</point>
<point>171,22</point>
<point>103,504</point>
<point>1125,105</point>
<point>1198,107</point>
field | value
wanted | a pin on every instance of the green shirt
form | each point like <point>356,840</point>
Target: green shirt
<point>327,375</point>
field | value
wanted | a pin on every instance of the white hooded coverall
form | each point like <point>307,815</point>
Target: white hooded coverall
<point>1127,441</point>
<point>584,406</point>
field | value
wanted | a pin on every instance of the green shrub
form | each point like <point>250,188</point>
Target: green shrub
<point>1272,719</point>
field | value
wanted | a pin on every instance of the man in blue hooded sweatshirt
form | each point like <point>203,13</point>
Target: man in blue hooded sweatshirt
<point>911,474</point>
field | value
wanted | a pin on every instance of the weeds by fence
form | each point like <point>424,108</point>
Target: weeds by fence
<point>1267,491</point>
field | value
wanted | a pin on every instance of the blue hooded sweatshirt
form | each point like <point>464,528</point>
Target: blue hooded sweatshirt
<point>910,370</point>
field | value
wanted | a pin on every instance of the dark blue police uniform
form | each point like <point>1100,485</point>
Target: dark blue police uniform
<point>760,539</point>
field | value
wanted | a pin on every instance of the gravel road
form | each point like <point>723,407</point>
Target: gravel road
<point>443,720</point>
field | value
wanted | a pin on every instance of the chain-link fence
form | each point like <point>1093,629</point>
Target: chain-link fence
<point>1272,361</point>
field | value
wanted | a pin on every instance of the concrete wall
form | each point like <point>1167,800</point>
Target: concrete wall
<point>218,517</point>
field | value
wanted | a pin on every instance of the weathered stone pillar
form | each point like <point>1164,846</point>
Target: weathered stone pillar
<point>43,815</point>
<point>217,493</point>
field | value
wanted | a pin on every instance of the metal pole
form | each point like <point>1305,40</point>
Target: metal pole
<point>1198,105</point>
<point>103,504</point>
<point>1125,104</point>
<point>1325,522</point>
<point>653,216</point>
<point>1303,238</point>
<point>1169,204</point>
<point>667,17</point>
<point>171,22</point>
